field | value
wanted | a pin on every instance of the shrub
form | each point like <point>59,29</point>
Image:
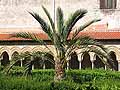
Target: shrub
<point>17,71</point>
<point>75,80</point>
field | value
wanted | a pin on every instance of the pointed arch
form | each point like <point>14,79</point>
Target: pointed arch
<point>116,51</point>
<point>86,63</point>
<point>74,63</point>
<point>38,64</point>
<point>26,49</point>
<point>113,62</point>
<point>48,62</point>
<point>41,61</point>
<point>39,49</point>
<point>5,59</point>
<point>5,49</point>
<point>15,49</point>
<point>25,59</point>
<point>98,63</point>
<point>15,57</point>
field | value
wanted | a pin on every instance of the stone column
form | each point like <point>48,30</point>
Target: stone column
<point>33,67</point>
<point>43,61</point>
<point>10,62</point>
<point>67,65</point>
<point>92,59</point>
<point>80,60</point>
<point>105,64</point>
<point>32,62</point>
<point>1,59</point>
<point>105,67</point>
<point>68,62</point>
<point>92,64</point>
<point>118,65</point>
<point>44,66</point>
<point>21,62</point>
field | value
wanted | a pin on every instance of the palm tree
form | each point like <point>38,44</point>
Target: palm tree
<point>30,59</point>
<point>64,40</point>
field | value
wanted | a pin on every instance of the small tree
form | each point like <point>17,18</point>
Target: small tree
<point>63,39</point>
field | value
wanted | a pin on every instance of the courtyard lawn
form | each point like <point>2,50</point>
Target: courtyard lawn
<point>97,79</point>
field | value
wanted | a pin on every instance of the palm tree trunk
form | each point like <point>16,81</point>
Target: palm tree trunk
<point>59,70</point>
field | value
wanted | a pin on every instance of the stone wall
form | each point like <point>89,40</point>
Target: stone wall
<point>14,13</point>
<point>80,58</point>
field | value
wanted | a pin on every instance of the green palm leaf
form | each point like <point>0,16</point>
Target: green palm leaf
<point>49,17</point>
<point>43,24</point>
<point>72,21</point>
<point>99,52</point>
<point>75,34</point>
<point>60,20</point>
<point>28,35</point>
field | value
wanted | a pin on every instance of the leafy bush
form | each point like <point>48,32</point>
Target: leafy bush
<point>75,80</point>
<point>17,71</point>
<point>1,68</point>
<point>81,76</point>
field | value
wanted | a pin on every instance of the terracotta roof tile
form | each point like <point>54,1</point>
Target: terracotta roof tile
<point>94,31</point>
<point>95,35</point>
<point>102,35</point>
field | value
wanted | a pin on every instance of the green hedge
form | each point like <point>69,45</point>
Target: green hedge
<point>82,76</point>
<point>75,80</point>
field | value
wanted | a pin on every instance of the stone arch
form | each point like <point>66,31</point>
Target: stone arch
<point>43,62</point>
<point>37,63</point>
<point>14,56</point>
<point>4,58</point>
<point>26,59</point>
<point>26,49</point>
<point>113,62</point>
<point>115,50</point>
<point>73,62</point>
<point>15,49</point>
<point>5,49</point>
<point>39,49</point>
<point>48,63</point>
<point>86,62</point>
<point>98,62</point>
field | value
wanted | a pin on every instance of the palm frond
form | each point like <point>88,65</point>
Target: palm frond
<point>111,62</point>
<point>60,20</point>
<point>27,35</point>
<point>45,27</point>
<point>99,52</point>
<point>85,40</point>
<point>49,17</point>
<point>82,41</point>
<point>75,34</point>
<point>9,67</point>
<point>72,21</point>
<point>42,55</point>
<point>33,37</point>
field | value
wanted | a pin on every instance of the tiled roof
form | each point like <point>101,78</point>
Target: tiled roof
<point>8,37</point>
<point>95,35</point>
<point>102,35</point>
<point>99,31</point>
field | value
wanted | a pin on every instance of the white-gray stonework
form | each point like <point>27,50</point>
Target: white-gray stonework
<point>10,50</point>
<point>14,13</point>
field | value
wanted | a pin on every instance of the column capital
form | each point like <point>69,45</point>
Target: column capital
<point>92,56</point>
<point>68,58</point>
<point>79,57</point>
<point>118,61</point>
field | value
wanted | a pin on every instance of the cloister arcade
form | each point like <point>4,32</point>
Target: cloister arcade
<point>76,61</point>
